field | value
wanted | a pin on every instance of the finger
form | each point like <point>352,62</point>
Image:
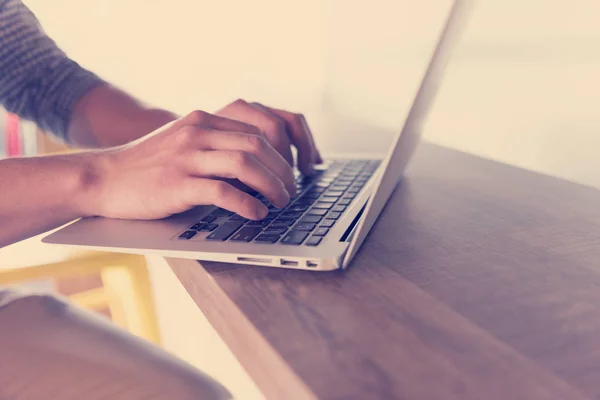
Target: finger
<point>258,146</point>
<point>200,191</point>
<point>206,120</point>
<point>270,124</point>
<point>302,138</point>
<point>244,167</point>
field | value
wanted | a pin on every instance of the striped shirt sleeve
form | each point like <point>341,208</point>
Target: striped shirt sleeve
<point>38,81</point>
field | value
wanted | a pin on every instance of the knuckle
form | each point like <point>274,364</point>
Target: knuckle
<point>254,130</point>
<point>256,144</point>
<point>186,134</point>
<point>238,159</point>
<point>297,118</point>
<point>240,102</point>
<point>274,124</point>
<point>197,116</point>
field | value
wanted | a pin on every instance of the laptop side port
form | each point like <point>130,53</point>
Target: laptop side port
<point>288,263</point>
<point>254,260</point>
<point>312,264</point>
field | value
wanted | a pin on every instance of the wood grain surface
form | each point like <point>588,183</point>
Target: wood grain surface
<point>479,281</point>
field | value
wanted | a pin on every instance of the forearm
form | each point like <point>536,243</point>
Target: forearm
<point>96,360</point>
<point>107,116</point>
<point>41,193</point>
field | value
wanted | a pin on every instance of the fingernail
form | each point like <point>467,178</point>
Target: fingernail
<point>263,212</point>
<point>287,197</point>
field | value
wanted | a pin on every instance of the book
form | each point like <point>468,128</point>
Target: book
<point>12,133</point>
<point>3,150</point>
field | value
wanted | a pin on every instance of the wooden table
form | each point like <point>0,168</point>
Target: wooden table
<point>479,281</point>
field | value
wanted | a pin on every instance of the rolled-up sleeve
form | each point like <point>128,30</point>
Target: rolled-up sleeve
<point>38,81</point>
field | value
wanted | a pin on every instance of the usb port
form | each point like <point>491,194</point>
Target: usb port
<point>288,263</point>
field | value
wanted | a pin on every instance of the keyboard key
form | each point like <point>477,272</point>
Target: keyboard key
<point>273,214</point>
<point>320,232</point>
<point>246,234</point>
<point>334,193</point>
<point>267,238</point>
<point>208,227</point>
<point>314,241</point>
<point>328,223</point>
<point>276,231</point>
<point>338,208</point>
<point>350,196</point>
<point>317,211</point>
<point>294,237</point>
<point>187,235</point>
<point>328,178</point>
<point>344,202</point>
<point>262,223</point>
<point>209,218</point>
<point>222,213</point>
<point>238,218</point>
<point>282,223</point>
<point>310,219</point>
<point>303,226</point>
<point>328,199</point>
<point>323,205</point>
<point>340,188</point>
<point>304,201</point>
<point>298,208</point>
<point>292,215</point>
<point>311,196</point>
<point>198,226</point>
<point>224,231</point>
<point>353,191</point>
<point>334,215</point>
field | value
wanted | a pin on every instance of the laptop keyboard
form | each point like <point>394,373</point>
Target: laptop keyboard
<point>321,200</point>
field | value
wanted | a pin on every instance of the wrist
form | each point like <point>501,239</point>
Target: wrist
<point>90,174</point>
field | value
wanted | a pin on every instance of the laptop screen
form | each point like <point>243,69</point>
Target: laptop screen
<point>376,54</point>
<point>422,92</point>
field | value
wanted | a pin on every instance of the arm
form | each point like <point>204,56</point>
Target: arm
<point>106,116</point>
<point>166,172</point>
<point>39,82</point>
<point>96,360</point>
<point>42,193</point>
<point>185,159</point>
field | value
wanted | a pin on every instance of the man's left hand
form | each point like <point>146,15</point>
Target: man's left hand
<point>281,128</point>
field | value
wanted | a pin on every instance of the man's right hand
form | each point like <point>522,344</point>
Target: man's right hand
<point>185,164</point>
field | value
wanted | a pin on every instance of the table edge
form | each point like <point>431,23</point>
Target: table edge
<point>260,360</point>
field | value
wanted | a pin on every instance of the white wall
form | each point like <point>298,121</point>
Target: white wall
<point>523,87</point>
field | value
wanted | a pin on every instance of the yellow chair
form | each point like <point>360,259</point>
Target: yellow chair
<point>126,290</point>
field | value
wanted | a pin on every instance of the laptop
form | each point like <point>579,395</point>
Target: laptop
<point>322,227</point>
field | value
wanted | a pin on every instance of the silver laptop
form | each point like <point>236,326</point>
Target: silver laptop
<point>323,226</point>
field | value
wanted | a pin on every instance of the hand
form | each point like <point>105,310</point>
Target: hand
<point>281,128</point>
<point>182,165</point>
